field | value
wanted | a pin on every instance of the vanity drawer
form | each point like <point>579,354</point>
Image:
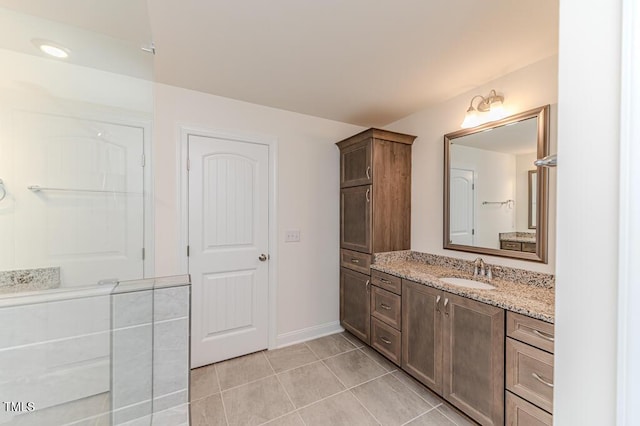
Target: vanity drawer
<point>386,307</point>
<point>530,330</point>
<point>355,260</point>
<point>510,245</point>
<point>529,247</point>
<point>386,340</point>
<point>386,281</point>
<point>530,373</point>
<point>522,413</point>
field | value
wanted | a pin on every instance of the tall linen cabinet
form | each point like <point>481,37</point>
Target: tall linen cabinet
<point>375,216</point>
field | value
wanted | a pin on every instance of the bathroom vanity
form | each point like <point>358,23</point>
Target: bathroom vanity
<point>463,342</point>
<point>485,344</point>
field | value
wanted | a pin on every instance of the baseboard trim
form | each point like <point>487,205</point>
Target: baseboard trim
<point>310,333</point>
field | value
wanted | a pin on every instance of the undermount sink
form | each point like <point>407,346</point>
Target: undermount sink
<point>464,282</point>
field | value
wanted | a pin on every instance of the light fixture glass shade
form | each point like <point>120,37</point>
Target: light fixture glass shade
<point>497,111</point>
<point>470,119</point>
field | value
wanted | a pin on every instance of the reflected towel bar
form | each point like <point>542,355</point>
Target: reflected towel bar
<point>36,188</point>
<point>502,203</point>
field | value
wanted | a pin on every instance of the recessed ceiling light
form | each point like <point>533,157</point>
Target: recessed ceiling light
<point>51,48</point>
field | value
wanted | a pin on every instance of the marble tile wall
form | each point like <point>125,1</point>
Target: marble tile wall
<point>151,355</point>
<point>54,352</point>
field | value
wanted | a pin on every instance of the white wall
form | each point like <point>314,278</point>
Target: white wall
<point>588,207</point>
<point>527,88</point>
<point>307,197</point>
<point>494,181</point>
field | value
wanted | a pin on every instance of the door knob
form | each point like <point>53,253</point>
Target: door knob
<point>263,257</point>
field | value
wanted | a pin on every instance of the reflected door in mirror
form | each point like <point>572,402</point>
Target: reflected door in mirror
<point>462,207</point>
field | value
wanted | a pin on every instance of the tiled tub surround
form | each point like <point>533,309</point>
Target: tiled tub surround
<point>80,354</point>
<point>23,280</point>
<point>518,290</point>
<point>150,350</point>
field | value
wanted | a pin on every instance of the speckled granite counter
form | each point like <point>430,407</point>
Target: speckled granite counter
<point>518,290</point>
<point>518,237</point>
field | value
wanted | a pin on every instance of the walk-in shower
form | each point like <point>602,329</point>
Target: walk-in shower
<point>88,336</point>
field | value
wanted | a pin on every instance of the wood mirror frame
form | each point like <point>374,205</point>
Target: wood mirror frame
<point>540,255</point>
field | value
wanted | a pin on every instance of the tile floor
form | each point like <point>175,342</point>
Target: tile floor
<point>333,380</point>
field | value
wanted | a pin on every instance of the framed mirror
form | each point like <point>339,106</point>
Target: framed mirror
<point>495,199</point>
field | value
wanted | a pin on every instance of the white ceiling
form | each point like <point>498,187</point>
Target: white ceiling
<point>358,61</point>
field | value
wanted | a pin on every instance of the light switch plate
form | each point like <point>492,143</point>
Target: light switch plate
<point>292,236</point>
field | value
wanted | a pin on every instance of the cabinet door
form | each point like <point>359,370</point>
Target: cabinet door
<point>422,333</point>
<point>355,218</point>
<point>355,164</point>
<point>473,358</point>
<point>355,303</point>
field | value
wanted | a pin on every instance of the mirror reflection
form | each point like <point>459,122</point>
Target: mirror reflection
<point>492,187</point>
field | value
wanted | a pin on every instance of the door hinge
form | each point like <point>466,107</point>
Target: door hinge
<point>187,251</point>
<point>473,232</point>
<point>142,253</point>
<point>188,164</point>
<point>142,162</point>
<point>473,186</point>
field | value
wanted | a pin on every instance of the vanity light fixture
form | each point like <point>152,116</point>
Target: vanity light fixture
<point>51,48</point>
<point>491,104</point>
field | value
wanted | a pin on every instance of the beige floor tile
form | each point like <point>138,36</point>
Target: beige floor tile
<point>327,346</point>
<point>292,419</point>
<point>354,368</point>
<point>239,371</point>
<point>208,411</point>
<point>418,388</point>
<point>341,409</point>
<point>256,402</point>
<point>382,361</point>
<point>456,416</point>
<point>390,401</point>
<point>290,357</point>
<point>353,339</point>
<point>432,418</point>
<point>310,383</point>
<point>204,382</point>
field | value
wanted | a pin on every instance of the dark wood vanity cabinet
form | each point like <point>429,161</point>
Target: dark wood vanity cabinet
<point>375,216</point>
<point>354,303</point>
<point>455,346</point>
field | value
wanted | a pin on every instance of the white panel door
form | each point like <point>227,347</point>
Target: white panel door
<point>228,233</point>
<point>461,208</point>
<point>89,217</point>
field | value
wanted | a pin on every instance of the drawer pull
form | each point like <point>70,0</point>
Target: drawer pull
<point>366,286</point>
<point>387,341</point>
<point>438,303</point>
<point>446,302</point>
<point>545,336</point>
<point>387,307</point>
<point>541,380</point>
<point>385,281</point>
<point>368,172</point>
<point>355,261</point>
<point>367,195</point>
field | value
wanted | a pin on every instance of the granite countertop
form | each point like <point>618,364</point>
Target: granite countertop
<point>518,237</point>
<point>536,300</point>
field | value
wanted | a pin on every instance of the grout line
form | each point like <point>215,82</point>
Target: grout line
<point>421,415</point>
<point>380,364</point>
<point>419,396</point>
<point>224,409</point>
<point>450,419</point>
<point>282,386</point>
<point>365,408</point>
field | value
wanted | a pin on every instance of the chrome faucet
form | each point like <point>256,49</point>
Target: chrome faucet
<point>478,269</point>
